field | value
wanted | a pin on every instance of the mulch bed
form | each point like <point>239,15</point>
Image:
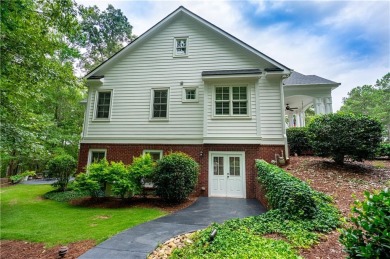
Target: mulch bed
<point>344,183</point>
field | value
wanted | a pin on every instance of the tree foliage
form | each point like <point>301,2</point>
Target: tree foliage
<point>105,33</point>
<point>340,135</point>
<point>40,42</point>
<point>371,100</point>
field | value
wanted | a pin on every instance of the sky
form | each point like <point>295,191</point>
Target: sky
<point>344,41</point>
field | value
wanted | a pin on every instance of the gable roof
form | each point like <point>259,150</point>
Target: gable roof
<point>181,9</point>
<point>300,79</point>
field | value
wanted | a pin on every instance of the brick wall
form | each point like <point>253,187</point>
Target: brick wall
<point>126,152</point>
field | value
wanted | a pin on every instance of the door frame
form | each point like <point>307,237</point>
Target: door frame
<point>231,153</point>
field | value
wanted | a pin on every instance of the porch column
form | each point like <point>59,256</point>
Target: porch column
<point>290,120</point>
<point>328,105</point>
<point>318,106</point>
<point>298,119</point>
<point>303,123</point>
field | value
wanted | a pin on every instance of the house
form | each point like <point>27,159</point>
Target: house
<point>186,85</point>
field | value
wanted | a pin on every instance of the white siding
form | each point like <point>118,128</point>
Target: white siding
<point>152,65</point>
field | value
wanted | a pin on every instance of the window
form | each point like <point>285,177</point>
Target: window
<point>160,104</point>
<point>95,155</point>
<point>234,166</point>
<point>180,47</point>
<point>103,105</point>
<point>231,101</point>
<point>155,154</point>
<point>190,94</point>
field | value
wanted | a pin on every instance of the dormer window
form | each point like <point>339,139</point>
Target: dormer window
<point>181,47</point>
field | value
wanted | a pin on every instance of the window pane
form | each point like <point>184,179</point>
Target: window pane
<point>218,165</point>
<point>239,93</point>
<point>181,46</point>
<point>97,156</point>
<point>234,166</point>
<point>160,103</point>
<point>103,106</point>
<point>190,94</point>
<point>222,108</point>
<point>239,108</point>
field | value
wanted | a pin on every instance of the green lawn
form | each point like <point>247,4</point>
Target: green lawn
<point>25,215</point>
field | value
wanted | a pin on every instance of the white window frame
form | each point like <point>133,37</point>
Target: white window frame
<point>148,151</point>
<point>175,54</point>
<point>95,118</point>
<point>95,150</point>
<point>151,118</point>
<point>184,95</point>
<point>231,115</point>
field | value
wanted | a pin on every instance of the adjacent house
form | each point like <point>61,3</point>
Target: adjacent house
<point>186,85</point>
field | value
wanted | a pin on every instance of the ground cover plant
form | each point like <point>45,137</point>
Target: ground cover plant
<point>299,215</point>
<point>25,215</point>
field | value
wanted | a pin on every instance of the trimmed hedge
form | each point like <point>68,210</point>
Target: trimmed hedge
<point>298,140</point>
<point>285,192</point>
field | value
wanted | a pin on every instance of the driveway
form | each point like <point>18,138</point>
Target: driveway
<point>139,241</point>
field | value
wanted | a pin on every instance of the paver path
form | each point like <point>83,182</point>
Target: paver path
<point>139,241</point>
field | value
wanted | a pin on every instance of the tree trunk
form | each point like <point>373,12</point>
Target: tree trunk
<point>339,159</point>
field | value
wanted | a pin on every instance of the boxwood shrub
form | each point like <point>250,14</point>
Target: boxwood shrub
<point>175,177</point>
<point>298,140</point>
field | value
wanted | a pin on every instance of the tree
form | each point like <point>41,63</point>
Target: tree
<point>38,88</point>
<point>105,33</point>
<point>371,100</point>
<point>340,135</point>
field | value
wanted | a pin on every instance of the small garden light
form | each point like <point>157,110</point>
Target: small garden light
<point>213,234</point>
<point>62,252</point>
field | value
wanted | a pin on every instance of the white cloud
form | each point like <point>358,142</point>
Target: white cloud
<point>296,47</point>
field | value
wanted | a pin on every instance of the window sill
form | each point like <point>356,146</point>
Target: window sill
<point>157,119</point>
<point>190,101</point>
<point>101,120</point>
<point>180,56</point>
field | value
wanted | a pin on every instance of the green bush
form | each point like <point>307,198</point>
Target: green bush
<point>141,171</point>
<point>65,196</point>
<point>344,135</point>
<point>369,237</point>
<point>298,140</point>
<point>102,175</point>
<point>285,192</point>
<point>62,167</point>
<point>384,149</point>
<point>176,176</point>
<point>16,178</point>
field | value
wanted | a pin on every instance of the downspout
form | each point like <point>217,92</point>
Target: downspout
<point>283,115</point>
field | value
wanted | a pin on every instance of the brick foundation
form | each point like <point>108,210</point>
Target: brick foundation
<point>126,152</point>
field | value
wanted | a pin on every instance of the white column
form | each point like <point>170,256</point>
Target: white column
<point>290,120</point>
<point>298,119</point>
<point>303,116</point>
<point>328,105</point>
<point>319,106</point>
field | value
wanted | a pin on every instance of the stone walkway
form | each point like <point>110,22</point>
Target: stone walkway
<point>139,241</point>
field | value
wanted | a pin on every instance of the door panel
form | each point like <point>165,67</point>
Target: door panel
<point>226,175</point>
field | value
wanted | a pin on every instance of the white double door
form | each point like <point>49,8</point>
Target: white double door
<point>227,174</point>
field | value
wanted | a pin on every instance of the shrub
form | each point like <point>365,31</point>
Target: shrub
<point>340,135</point>
<point>384,149</point>
<point>101,175</point>
<point>16,178</point>
<point>176,176</point>
<point>62,167</point>
<point>285,192</point>
<point>298,140</point>
<point>141,171</point>
<point>369,237</point>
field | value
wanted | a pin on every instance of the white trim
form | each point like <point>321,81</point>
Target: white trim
<point>257,109</point>
<point>174,53</point>
<point>166,20</point>
<point>184,95</point>
<point>151,118</point>
<point>232,140</point>
<point>142,140</point>
<point>246,77</point>
<point>282,107</point>
<point>232,116</point>
<point>96,100</point>
<point>95,150</point>
<point>243,170</point>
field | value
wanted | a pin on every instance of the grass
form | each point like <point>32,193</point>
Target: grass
<point>25,215</point>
